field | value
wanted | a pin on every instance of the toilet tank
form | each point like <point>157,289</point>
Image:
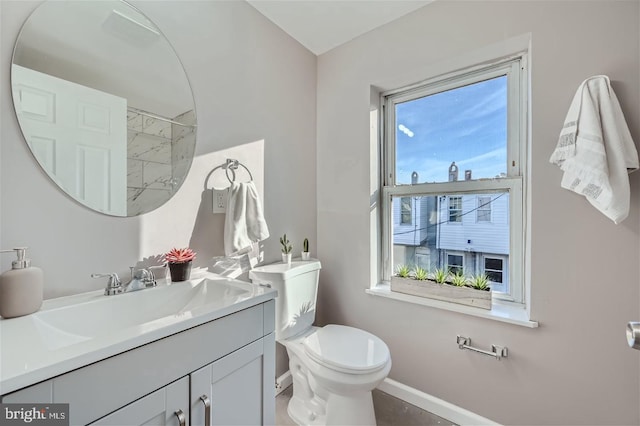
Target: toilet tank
<point>297,286</point>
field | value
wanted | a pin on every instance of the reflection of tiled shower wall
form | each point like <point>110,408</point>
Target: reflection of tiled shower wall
<point>184,144</point>
<point>148,162</point>
<point>159,155</point>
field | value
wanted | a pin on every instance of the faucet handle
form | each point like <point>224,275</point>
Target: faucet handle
<point>114,285</point>
<point>144,275</point>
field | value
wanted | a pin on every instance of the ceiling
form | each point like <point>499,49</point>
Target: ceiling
<point>321,25</point>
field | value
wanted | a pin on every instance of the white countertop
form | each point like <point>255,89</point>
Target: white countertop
<point>40,346</point>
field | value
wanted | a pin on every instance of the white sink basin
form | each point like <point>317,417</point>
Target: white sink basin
<point>73,331</point>
<point>109,314</point>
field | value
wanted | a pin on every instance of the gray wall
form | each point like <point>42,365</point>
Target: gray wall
<point>575,368</point>
<point>255,91</point>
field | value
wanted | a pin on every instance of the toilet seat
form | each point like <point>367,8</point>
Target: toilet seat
<point>346,349</point>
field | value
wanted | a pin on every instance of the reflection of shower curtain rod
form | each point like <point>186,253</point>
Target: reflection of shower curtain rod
<point>158,117</point>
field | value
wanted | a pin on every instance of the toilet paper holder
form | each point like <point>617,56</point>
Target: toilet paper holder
<point>498,352</point>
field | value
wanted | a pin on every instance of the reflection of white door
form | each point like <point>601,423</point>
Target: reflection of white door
<point>79,136</point>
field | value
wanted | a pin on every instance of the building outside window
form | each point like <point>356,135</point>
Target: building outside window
<point>495,269</point>
<point>406,211</point>
<point>484,209</point>
<point>455,263</point>
<point>472,121</point>
<point>455,209</point>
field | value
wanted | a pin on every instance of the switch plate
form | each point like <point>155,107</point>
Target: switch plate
<point>220,200</point>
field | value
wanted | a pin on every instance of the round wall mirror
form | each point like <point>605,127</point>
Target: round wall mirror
<point>104,104</point>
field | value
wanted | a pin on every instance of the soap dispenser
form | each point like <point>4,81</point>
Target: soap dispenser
<point>20,287</point>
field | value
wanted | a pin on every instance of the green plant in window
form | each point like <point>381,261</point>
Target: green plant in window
<point>459,280</point>
<point>480,282</point>
<point>420,273</point>
<point>440,275</point>
<point>403,271</point>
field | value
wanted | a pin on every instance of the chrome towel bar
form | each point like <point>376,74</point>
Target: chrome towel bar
<point>498,352</point>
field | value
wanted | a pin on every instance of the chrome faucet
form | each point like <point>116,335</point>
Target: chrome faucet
<point>114,285</point>
<point>140,279</point>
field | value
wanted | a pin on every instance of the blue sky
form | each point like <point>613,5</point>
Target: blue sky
<point>466,125</point>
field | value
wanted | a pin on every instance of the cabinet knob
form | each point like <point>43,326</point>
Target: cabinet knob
<point>181,417</point>
<point>207,409</point>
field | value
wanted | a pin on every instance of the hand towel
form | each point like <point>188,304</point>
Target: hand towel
<point>595,149</point>
<point>244,222</point>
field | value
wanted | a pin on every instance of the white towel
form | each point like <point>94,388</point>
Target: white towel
<point>595,149</point>
<point>244,222</point>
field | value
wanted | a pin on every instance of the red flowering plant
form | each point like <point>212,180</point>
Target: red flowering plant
<point>182,255</point>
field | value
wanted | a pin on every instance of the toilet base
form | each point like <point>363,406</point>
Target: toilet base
<point>340,410</point>
<point>302,415</point>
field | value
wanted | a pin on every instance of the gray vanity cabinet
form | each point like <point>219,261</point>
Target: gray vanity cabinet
<point>230,361</point>
<point>162,407</point>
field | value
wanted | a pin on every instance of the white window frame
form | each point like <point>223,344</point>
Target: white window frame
<point>459,210</point>
<point>483,206</point>
<point>455,253</point>
<point>402,212</point>
<point>516,68</point>
<point>505,265</point>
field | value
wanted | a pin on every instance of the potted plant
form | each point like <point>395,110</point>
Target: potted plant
<point>441,284</point>
<point>480,282</point>
<point>305,250</point>
<point>179,261</point>
<point>286,249</point>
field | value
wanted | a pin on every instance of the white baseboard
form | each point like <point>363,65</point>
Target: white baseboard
<point>434,405</point>
<point>283,382</point>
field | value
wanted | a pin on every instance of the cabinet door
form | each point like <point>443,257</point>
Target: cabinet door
<point>157,408</point>
<point>238,387</point>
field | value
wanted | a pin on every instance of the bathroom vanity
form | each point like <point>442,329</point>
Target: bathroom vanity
<point>198,352</point>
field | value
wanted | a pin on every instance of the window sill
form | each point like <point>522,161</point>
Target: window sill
<point>499,312</point>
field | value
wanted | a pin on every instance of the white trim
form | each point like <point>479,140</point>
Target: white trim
<point>434,405</point>
<point>460,254</point>
<point>283,382</point>
<point>503,312</point>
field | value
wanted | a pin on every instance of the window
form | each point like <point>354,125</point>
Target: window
<point>455,146</point>
<point>405,211</point>
<point>455,209</point>
<point>484,209</point>
<point>495,269</point>
<point>455,263</point>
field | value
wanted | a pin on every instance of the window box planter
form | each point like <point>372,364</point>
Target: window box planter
<point>445,292</point>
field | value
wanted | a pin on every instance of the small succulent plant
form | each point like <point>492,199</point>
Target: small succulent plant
<point>403,271</point>
<point>480,282</point>
<point>305,245</point>
<point>182,255</point>
<point>440,275</point>
<point>286,244</point>
<point>459,280</point>
<point>420,273</point>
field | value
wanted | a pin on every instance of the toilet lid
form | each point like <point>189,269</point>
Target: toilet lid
<point>347,349</point>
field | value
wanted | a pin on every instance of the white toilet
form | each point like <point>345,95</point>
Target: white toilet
<point>334,368</point>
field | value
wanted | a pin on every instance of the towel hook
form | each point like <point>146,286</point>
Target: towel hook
<point>233,166</point>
